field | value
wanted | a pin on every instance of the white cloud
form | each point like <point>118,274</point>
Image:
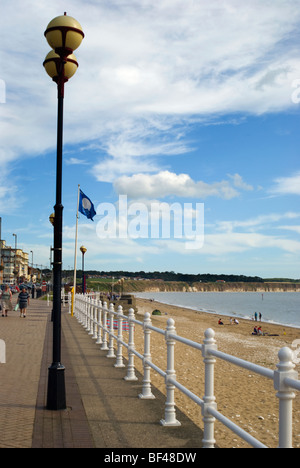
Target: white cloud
<point>75,161</point>
<point>287,185</point>
<point>257,223</point>
<point>166,183</point>
<point>222,245</point>
<point>128,152</point>
<point>291,228</point>
<point>165,61</point>
<point>238,182</point>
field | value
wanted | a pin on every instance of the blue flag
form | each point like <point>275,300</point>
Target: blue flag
<point>86,207</point>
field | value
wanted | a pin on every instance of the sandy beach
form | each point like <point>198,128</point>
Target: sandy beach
<point>246,398</point>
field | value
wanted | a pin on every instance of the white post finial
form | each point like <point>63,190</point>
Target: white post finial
<point>131,347</point>
<point>146,391</point>
<point>209,397</point>
<point>99,322</point>
<point>119,360</point>
<point>111,353</point>
<point>285,395</point>
<point>170,411</point>
<point>104,346</point>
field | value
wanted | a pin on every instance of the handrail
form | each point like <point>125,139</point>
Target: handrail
<point>92,314</point>
<point>244,364</point>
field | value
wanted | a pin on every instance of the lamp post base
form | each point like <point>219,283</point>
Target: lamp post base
<point>56,397</point>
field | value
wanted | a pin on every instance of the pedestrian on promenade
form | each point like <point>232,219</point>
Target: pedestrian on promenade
<point>6,301</point>
<point>23,299</point>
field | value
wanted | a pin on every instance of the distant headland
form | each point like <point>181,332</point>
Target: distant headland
<point>130,282</point>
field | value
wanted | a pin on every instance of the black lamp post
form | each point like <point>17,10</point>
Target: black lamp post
<point>83,250</point>
<point>64,34</point>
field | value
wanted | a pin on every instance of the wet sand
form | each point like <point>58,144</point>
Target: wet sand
<point>246,398</point>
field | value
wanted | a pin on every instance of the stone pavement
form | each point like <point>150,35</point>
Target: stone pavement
<point>103,410</point>
<point>19,377</point>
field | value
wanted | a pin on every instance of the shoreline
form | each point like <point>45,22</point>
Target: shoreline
<point>223,314</point>
<point>245,397</point>
<point>288,333</point>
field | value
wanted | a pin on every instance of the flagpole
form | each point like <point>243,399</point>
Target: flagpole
<point>75,256</point>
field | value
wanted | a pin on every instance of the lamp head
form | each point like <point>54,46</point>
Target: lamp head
<point>83,250</point>
<point>53,64</point>
<point>52,218</point>
<point>64,35</point>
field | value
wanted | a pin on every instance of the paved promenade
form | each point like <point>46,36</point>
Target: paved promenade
<point>103,410</point>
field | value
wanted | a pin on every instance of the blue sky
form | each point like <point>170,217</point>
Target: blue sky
<point>175,101</point>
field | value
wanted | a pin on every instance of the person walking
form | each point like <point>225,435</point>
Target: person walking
<point>23,299</point>
<point>6,301</point>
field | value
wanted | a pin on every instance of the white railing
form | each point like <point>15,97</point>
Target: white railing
<point>65,300</point>
<point>95,316</point>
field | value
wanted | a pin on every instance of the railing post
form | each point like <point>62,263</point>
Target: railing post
<point>119,360</point>
<point>146,391</point>
<point>285,395</point>
<point>209,397</point>
<point>81,310</point>
<point>130,369</point>
<point>81,315</point>
<point>104,346</point>
<point>86,312</point>
<point>170,412</point>
<point>95,335</point>
<point>69,303</point>
<point>91,314</point>
<point>99,322</point>
<point>111,353</point>
<point>77,309</point>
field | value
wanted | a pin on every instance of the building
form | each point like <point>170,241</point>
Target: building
<point>13,264</point>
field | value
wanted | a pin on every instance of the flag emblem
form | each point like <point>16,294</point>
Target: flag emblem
<point>86,207</point>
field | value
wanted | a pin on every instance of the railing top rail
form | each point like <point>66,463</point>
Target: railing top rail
<point>158,330</point>
<point>295,384</point>
<point>186,341</point>
<point>236,429</point>
<point>265,372</point>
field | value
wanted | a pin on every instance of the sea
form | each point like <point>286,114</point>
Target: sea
<point>275,307</point>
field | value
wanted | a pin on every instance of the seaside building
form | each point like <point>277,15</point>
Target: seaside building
<point>13,264</point>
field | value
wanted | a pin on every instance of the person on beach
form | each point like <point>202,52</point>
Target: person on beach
<point>220,322</point>
<point>6,301</point>
<point>255,316</point>
<point>23,299</point>
<point>254,331</point>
